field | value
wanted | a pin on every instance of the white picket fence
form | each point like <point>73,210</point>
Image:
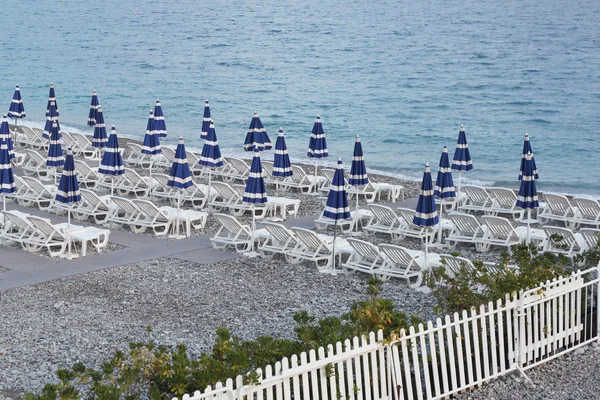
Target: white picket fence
<point>437,360</point>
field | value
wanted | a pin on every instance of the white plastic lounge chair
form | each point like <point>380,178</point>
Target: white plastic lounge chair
<point>504,202</point>
<point>365,257</point>
<point>195,195</point>
<point>267,167</point>
<point>15,228</point>
<point>315,248</point>
<point>132,183</point>
<point>34,164</point>
<point>408,229</point>
<point>500,232</point>
<point>403,263</point>
<point>91,205</point>
<point>166,160</point>
<point>86,176</point>
<point>565,242</point>
<point>38,194</point>
<point>384,220</point>
<point>590,236</point>
<point>124,212</point>
<point>237,170</point>
<point>83,146</point>
<point>466,230</point>
<point>195,168</point>
<point>29,138</point>
<point>233,234</point>
<point>454,264</point>
<point>69,142</point>
<point>280,240</point>
<point>477,199</point>
<point>136,158</point>
<point>328,175</point>
<point>346,225</point>
<point>22,188</point>
<point>303,182</point>
<point>160,219</point>
<point>588,212</point>
<point>558,208</point>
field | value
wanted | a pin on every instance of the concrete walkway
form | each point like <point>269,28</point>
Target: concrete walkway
<point>26,268</point>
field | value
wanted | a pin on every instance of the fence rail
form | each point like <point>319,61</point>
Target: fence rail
<point>434,361</point>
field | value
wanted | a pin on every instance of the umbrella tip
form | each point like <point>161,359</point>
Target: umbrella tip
<point>426,165</point>
<point>462,127</point>
<point>339,159</point>
<point>207,100</point>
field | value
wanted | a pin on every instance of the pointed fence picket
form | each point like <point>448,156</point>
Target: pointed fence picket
<point>437,360</point>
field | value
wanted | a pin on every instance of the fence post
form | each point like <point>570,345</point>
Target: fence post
<point>597,304</point>
<point>519,323</point>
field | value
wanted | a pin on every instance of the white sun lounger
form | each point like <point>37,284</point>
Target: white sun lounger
<point>83,146</point>
<point>346,225</point>
<point>34,164</point>
<point>86,176</point>
<point>384,220</point>
<point>37,194</point>
<point>466,230</point>
<point>280,240</point>
<point>131,183</point>
<point>504,201</point>
<point>564,242</point>
<point>588,212</point>
<point>235,169</point>
<point>477,199</point>
<point>404,263</point>
<point>408,229</point>
<point>27,137</point>
<point>500,232</point>
<point>365,257</point>
<point>303,182</point>
<point>91,205</point>
<point>160,219</point>
<point>233,234</point>
<point>15,228</point>
<point>196,195</point>
<point>558,208</point>
<point>317,249</point>
<point>591,237</point>
<point>124,213</point>
<point>136,158</point>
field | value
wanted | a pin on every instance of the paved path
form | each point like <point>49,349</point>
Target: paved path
<point>26,268</point>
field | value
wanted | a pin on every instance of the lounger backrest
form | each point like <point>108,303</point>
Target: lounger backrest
<point>328,174</point>
<point>299,176</point>
<point>36,186</point>
<point>35,156</point>
<point>136,149</point>
<point>466,224</point>
<point>241,167</point>
<point>398,255</point>
<point>169,153</point>
<point>477,196</point>
<point>82,168</point>
<point>589,209</point>
<point>225,190</point>
<point>454,264</point>
<point>407,216</point>
<point>192,160</point>
<point>279,232</point>
<point>267,167</point>
<point>499,227</point>
<point>162,180</point>
<point>365,250</point>
<point>558,204</point>
<point>132,176</point>
<point>385,215</point>
<point>90,197</point>
<point>44,226</point>
<point>230,224</point>
<point>21,185</point>
<point>81,140</point>
<point>505,198</point>
<point>566,241</point>
<point>310,239</point>
<point>17,220</point>
<point>590,236</point>
<point>150,210</point>
<point>68,139</point>
<point>125,204</point>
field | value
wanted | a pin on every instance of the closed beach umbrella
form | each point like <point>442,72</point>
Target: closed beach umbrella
<point>211,153</point>
<point>51,118</point>
<point>180,178</point>
<point>426,214</point>
<point>462,158</point>
<point>527,198</point>
<point>112,161</point>
<point>100,139</point>
<point>68,191</point>
<point>55,156</point>
<point>317,146</point>
<point>151,145</point>
<point>257,138</point>
<point>206,119</point>
<point>16,109</point>
<point>527,150</point>
<point>7,180</point>
<point>337,207</point>
<point>444,186</point>
<point>159,119</point>
<point>282,166</point>
<point>358,171</point>
<point>51,98</point>
<point>94,105</point>
<point>256,190</point>
<point>5,135</point>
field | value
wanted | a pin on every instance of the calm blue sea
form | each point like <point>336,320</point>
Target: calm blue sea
<point>404,75</point>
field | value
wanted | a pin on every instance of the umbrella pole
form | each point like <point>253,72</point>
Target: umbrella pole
<point>253,227</point>
<point>112,185</point>
<point>528,227</point>
<point>316,188</point>
<point>178,211</point>
<point>427,248</point>
<point>209,174</point>
<point>69,254</point>
<point>333,248</point>
<point>440,223</point>
<point>458,198</point>
<point>3,202</point>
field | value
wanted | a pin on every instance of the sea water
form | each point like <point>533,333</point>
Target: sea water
<point>404,75</point>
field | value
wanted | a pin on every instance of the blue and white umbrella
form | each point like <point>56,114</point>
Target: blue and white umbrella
<point>180,178</point>
<point>51,118</point>
<point>151,143</point>
<point>16,109</point>
<point>527,150</point>
<point>100,139</point>
<point>527,198</point>
<point>426,213</point>
<point>206,119</point>
<point>211,153</point>
<point>444,185</point>
<point>51,98</point>
<point>358,171</point>
<point>282,167</point>
<point>112,161</point>
<point>55,156</point>
<point>337,207</point>
<point>7,179</point>
<point>159,119</point>
<point>5,135</point>
<point>94,105</point>
<point>256,190</point>
<point>462,158</point>
<point>68,191</point>
<point>317,146</point>
<point>257,138</point>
